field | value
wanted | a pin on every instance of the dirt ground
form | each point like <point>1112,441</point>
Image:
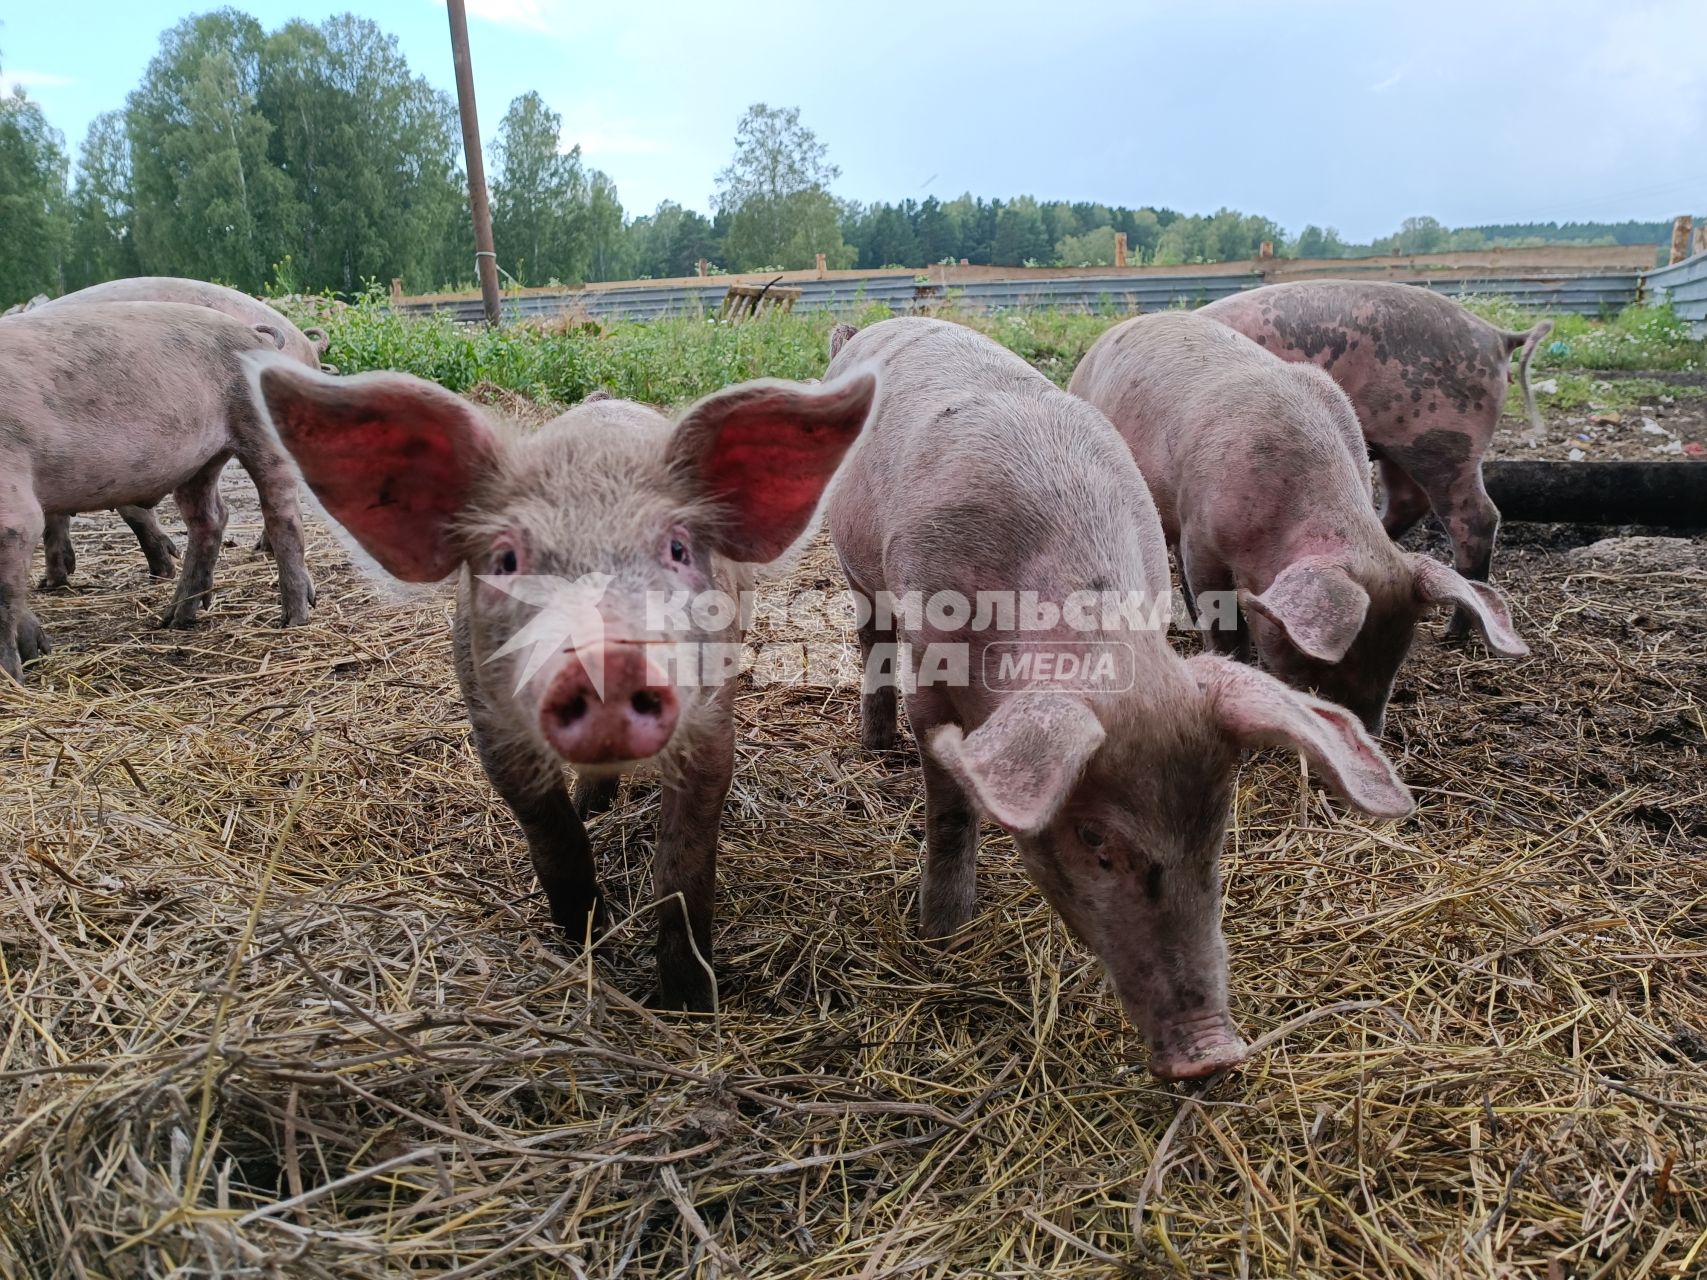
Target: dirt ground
<point>1667,423</point>
<point>283,999</point>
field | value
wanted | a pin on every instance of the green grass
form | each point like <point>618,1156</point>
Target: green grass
<point>672,361</point>
<point>1648,339</point>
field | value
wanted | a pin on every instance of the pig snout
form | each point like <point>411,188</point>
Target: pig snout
<point>608,705</point>
<point>1193,1047</point>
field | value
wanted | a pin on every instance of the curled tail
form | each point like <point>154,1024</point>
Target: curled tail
<point>271,332</point>
<point>1529,340</point>
<point>839,337</point>
<point>319,337</point>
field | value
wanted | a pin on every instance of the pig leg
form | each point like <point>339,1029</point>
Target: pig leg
<point>275,484</point>
<point>204,515</point>
<point>877,697</point>
<point>532,786</point>
<point>21,520</point>
<point>948,886</point>
<point>159,550</point>
<point>686,863</point>
<point>594,795</point>
<point>1210,588</point>
<point>1403,501</point>
<point>1472,522</point>
<point>56,548</point>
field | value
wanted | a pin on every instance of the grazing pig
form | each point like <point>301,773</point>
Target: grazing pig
<point>122,403</point>
<point>602,514</point>
<point>1428,380</point>
<point>304,345</point>
<point>1259,476</point>
<point>979,476</point>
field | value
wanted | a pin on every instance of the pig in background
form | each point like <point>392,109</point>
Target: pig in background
<point>121,403</point>
<point>1258,471</point>
<point>303,345</point>
<point>978,474</point>
<point>1428,380</point>
<point>610,504</point>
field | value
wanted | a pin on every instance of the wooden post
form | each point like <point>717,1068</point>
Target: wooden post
<point>703,266</point>
<point>1700,245</point>
<point>485,257</point>
<point>822,266</point>
<point>1120,248</point>
<point>1680,237</point>
<point>1265,250</point>
<point>396,291</point>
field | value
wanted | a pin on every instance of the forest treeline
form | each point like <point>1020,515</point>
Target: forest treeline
<point>312,158</point>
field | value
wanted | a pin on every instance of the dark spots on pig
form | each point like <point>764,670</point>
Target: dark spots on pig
<point>1099,583</point>
<point>386,496</point>
<point>1153,882</point>
<point>1433,453</point>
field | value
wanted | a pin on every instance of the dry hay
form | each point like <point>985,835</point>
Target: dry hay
<point>282,999</point>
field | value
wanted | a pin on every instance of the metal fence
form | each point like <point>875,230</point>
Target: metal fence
<point>1586,294</point>
<point>1684,285</point>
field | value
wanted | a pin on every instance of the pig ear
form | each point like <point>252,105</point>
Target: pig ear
<point>762,453</point>
<point>1437,583</point>
<point>392,458</point>
<point>1317,604</point>
<point>1021,763</point>
<point>1254,710</point>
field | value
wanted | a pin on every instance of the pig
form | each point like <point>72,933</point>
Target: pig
<point>1258,471</point>
<point>120,403</point>
<point>977,474</point>
<point>305,345</point>
<point>631,509</point>
<point>1428,380</point>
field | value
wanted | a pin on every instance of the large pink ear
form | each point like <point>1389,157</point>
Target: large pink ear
<point>392,458</point>
<point>1437,583</point>
<point>1316,603</point>
<point>762,453</point>
<point>1021,764</point>
<point>1254,709</point>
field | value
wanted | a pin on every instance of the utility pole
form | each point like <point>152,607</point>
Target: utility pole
<point>485,258</point>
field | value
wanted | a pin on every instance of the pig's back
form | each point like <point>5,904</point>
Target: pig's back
<point>196,293</point>
<point>1207,412</point>
<point>135,396</point>
<point>1398,350</point>
<point>975,460</point>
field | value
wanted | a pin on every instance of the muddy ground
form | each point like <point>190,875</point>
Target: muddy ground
<point>1646,416</point>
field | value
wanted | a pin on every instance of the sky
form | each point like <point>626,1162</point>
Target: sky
<point>1354,115</point>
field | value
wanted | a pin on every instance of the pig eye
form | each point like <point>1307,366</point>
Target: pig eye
<point>679,551</point>
<point>1090,835</point>
<point>505,561</point>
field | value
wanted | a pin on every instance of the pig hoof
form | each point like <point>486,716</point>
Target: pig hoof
<point>264,545</point>
<point>32,640</point>
<point>54,582</point>
<point>181,614</point>
<point>1202,1052</point>
<point>576,927</point>
<point>671,1000</point>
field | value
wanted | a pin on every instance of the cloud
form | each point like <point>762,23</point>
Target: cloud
<point>1381,86</point>
<point>32,80</point>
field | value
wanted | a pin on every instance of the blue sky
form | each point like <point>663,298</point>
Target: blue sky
<point>1349,114</point>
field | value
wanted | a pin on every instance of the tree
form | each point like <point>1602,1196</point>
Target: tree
<point>369,153</point>
<point>1093,249</point>
<point>539,196</point>
<point>670,242</point>
<point>1021,236</point>
<point>1318,242</point>
<point>208,202</point>
<point>102,246</point>
<point>33,215</point>
<point>775,193</point>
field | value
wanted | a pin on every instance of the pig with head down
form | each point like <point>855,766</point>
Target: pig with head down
<point>1259,477</point>
<point>1428,380</point>
<point>304,345</point>
<point>567,545</point>
<point>122,403</point>
<point>978,475</point>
